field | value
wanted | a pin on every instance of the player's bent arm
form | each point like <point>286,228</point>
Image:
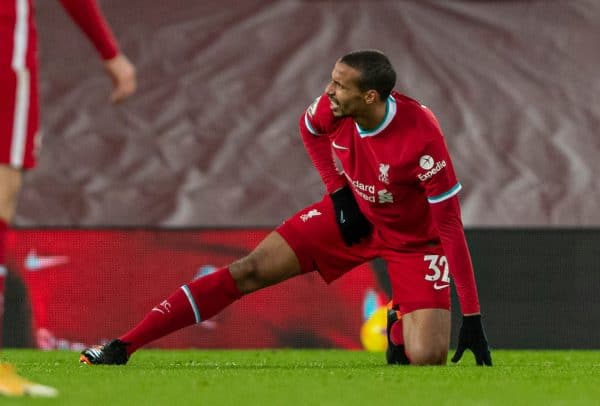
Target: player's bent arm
<point>90,19</point>
<point>446,216</point>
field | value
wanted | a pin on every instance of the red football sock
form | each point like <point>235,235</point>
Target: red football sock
<point>397,338</point>
<point>3,230</point>
<point>197,301</point>
<point>397,334</point>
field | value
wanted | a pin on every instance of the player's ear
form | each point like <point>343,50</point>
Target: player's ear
<point>371,96</point>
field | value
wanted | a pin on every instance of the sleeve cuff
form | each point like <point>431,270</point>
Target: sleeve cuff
<point>446,195</point>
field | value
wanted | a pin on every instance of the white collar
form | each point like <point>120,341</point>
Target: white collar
<point>390,113</point>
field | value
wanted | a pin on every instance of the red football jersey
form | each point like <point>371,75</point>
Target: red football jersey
<point>396,170</point>
<point>402,177</point>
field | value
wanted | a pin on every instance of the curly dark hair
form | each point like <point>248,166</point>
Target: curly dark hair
<point>376,71</point>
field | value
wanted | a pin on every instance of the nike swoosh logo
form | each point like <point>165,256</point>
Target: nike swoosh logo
<point>33,262</point>
<point>439,287</point>
<point>342,218</point>
<point>336,146</point>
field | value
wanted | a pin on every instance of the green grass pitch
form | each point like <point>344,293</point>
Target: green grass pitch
<point>310,377</point>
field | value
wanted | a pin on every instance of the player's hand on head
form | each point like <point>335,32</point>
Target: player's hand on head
<point>472,337</point>
<point>352,223</point>
<point>123,76</point>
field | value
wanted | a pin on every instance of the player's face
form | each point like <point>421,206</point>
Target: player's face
<point>345,96</point>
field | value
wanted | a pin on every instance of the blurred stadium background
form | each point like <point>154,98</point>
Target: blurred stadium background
<point>131,201</point>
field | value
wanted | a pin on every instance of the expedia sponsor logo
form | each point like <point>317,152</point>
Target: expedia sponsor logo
<point>433,169</point>
<point>426,162</point>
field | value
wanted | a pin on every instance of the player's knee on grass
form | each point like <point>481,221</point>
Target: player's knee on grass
<point>427,336</point>
<point>427,354</point>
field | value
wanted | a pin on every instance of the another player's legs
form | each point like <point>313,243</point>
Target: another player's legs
<point>19,123</point>
<point>271,262</point>
<point>10,184</point>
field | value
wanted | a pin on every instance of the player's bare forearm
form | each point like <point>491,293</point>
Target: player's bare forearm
<point>123,75</point>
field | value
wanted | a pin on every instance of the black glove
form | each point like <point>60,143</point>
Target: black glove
<point>352,223</point>
<point>473,337</point>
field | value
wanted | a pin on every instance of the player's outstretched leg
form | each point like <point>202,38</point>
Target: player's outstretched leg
<point>192,303</point>
<point>112,353</point>
<point>271,262</point>
<point>395,353</point>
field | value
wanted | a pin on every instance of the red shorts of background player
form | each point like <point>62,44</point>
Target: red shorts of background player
<point>419,278</point>
<point>19,116</point>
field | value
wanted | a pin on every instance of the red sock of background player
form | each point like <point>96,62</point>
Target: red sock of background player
<point>3,271</point>
<point>397,338</point>
<point>197,301</point>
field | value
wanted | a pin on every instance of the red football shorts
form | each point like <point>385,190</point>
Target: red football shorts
<point>19,117</point>
<point>419,278</point>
